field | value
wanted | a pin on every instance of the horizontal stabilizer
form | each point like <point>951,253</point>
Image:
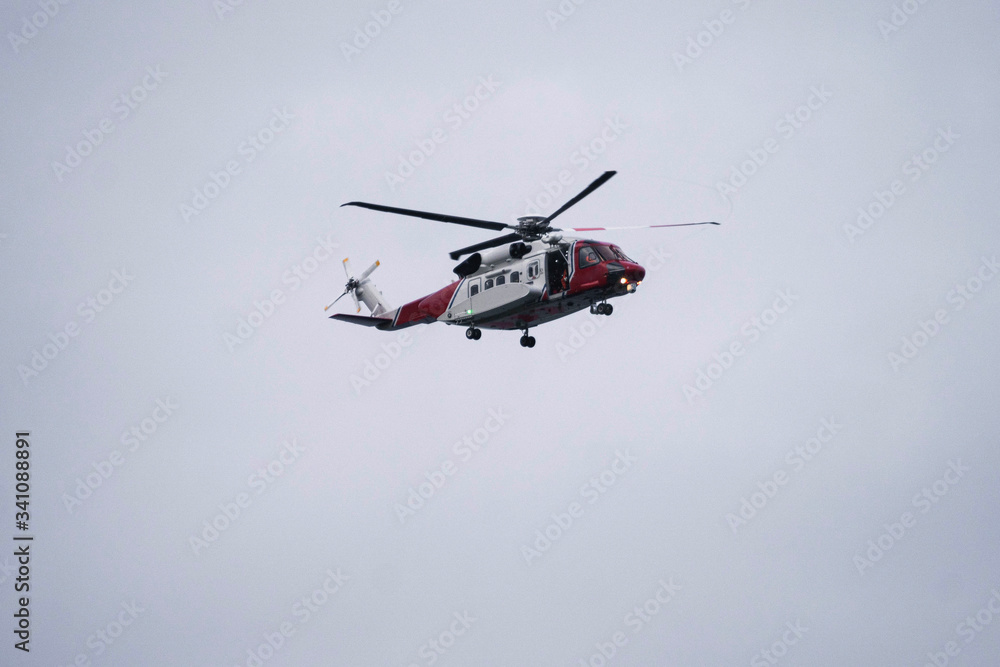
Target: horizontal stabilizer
<point>379,322</point>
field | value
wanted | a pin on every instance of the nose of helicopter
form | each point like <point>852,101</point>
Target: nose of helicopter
<point>629,274</point>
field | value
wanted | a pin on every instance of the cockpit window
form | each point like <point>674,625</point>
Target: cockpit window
<point>588,257</point>
<point>605,253</point>
<point>621,255</point>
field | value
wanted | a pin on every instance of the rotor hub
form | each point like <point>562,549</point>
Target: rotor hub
<point>531,227</point>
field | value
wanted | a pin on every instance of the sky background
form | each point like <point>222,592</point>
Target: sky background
<point>821,544</point>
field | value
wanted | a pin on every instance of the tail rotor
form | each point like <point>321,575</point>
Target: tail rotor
<point>361,289</point>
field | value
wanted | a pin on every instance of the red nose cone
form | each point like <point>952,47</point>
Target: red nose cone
<point>637,273</point>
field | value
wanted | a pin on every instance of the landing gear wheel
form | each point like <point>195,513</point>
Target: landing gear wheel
<point>608,309</point>
<point>527,341</point>
<point>472,333</point>
<point>531,341</point>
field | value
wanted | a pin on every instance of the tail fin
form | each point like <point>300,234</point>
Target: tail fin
<point>372,297</point>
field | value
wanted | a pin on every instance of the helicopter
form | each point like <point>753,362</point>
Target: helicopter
<point>527,277</point>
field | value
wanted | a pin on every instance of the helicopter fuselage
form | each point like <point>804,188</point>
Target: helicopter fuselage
<point>509,290</point>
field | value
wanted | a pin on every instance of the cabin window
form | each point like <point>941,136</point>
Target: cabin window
<point>533,270</point>
<point>515,276</point>
<point>588,257</point>
<point>500,280</point>
<point>474,289</point>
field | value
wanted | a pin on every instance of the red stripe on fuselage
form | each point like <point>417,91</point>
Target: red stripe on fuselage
<point>427,308</point>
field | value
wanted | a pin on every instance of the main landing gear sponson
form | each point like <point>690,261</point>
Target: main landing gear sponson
<point>472,333</point>
<point>602,309</point>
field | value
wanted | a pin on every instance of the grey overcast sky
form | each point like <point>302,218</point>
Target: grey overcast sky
<point>781,450</point>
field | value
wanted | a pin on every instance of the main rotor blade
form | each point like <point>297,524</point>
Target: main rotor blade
<point>601,180</point>
<point>439,217</point>
<point>367,272</point>
<point>492,243</point>
<point>605,229</point>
